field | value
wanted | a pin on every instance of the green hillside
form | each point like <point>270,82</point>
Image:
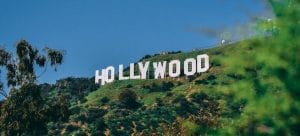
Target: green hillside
<point>211,103</point>
<point>151,89</point>
<point>169,103</point>
<point>251,88</point>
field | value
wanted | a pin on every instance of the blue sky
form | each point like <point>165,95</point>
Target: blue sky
<point>99,33</point>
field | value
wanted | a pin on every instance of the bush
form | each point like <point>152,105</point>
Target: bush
<point>98,128</point>
<point>183,106</point>
<point>104,100</point>
<point>166,86</point>
<point>198,97</point>
<point>159,87</point>
<point>211,79</point>
<point>128,99</point>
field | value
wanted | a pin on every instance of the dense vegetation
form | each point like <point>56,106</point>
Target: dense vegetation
<point>252,88</point>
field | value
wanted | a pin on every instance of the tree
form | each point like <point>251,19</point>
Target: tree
<point>20,69</point>
<point>129,99</point>
<point>25,111</point>
<point>270,70</point>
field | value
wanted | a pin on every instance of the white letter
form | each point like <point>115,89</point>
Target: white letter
<point>101,77</point>
<point>188,72</point>
<point>132,76</point>
<point>177,68</point>
<point>144,69</point>
<point>160,69</point>
<point>200,59</point>
<point>121,76</point>
<point>110,70</point>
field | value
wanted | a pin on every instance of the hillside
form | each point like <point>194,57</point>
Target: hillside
<point>251,88</point>
<point>197,105</point>
<point>150,89</point>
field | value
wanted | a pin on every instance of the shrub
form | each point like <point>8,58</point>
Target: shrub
<point>159,87</point>
<point>209,80</point>
<point>104,100</point>
<point>128,99</point>
<point>183,106</point>
<point>198,97</point>
<point>98,128</point>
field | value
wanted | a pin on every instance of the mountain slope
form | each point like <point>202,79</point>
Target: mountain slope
<point>188,105</point>
<point>245,92</point>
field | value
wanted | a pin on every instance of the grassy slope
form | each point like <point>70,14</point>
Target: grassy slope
<point>222,83</point>
<point>181,87</point>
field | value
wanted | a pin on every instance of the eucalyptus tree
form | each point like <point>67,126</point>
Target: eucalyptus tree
<point>20,67</point>
<point>25,111</point>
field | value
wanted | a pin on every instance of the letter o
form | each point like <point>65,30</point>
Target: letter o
<point>171,68</point>
<point>110,72</point>
<point>191,61</point>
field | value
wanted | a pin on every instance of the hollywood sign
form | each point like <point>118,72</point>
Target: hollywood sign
<point>191,67</point>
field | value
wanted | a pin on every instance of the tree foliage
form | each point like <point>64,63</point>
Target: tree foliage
<point>20,69</point>
<point>129,99</point>
<point>270,84</point>
<point>25,111</point>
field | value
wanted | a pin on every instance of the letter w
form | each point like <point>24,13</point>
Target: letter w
<point>160,69</point>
